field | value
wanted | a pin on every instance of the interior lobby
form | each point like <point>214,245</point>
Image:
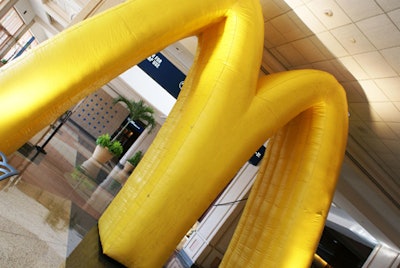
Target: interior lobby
<point>51,204</point>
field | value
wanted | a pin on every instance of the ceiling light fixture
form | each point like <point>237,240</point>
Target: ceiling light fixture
<point>328,12</point>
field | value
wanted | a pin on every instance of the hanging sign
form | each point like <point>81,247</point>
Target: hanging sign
<point>257,156</point>
<point>164,73</point>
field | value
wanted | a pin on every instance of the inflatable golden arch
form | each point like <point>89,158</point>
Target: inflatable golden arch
<point>223,114</point>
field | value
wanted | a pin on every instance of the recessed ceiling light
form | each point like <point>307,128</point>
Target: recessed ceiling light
<point>328,12</point>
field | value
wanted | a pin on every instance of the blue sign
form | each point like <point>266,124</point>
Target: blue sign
<point>257,156</point>
<point>138,127</point>
<point>164,73</point>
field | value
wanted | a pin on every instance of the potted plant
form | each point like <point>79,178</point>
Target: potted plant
<point>105,150</point>
<point>132,162</point>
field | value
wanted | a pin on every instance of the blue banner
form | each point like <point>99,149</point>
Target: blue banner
<point>257,156</point>
<point>164,73</point>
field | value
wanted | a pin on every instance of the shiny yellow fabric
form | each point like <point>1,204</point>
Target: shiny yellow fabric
<point>289,202</point>
<point>223,114</point>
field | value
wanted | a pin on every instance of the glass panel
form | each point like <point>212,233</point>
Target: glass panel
<point>12,22</point>
<point>10,25</point>
<point>24,43</point>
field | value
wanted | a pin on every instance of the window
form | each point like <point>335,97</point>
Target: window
<point>12,41</point>
<point>26,42</point>
<point>10,24</point>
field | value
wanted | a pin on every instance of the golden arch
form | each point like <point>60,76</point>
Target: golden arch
<point>224,113</point>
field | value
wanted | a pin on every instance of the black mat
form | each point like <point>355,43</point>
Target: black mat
<point>88,253</point>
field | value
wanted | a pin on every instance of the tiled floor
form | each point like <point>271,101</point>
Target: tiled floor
<point>47,209</point>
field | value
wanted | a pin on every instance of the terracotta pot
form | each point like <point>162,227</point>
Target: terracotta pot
<point>102,155</point>
<point>123,175</point>
<point>128,167</point>
<point>92,166</point>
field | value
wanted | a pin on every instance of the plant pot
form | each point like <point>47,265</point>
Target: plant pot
<point>92,166</point>
<point>128,168</point>
<point>124,173</point>
<point>102,155</point>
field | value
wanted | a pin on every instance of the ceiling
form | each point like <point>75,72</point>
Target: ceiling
<point>358,41</point>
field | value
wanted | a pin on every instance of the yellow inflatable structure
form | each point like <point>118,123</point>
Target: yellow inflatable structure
<point>222,116</point>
